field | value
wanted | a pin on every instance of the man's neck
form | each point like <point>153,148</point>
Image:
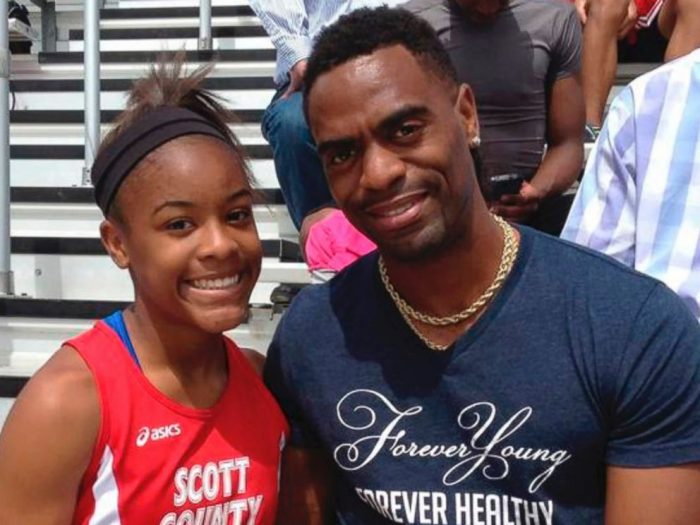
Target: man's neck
<point>451,280</point>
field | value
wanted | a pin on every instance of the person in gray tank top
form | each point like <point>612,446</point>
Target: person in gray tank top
<point>521,59</point>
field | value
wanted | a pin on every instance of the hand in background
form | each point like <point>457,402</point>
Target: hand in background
<point>582,7</point>
<point>296,78</point>
<point>630,20</point>
<point>520,206</point>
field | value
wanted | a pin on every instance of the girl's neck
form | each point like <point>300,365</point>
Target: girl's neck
<point>184,349</point>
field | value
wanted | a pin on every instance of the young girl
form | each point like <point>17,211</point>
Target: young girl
<point>152,416</point>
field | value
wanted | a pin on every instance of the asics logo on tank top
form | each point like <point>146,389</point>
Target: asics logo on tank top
<point>147,434</point>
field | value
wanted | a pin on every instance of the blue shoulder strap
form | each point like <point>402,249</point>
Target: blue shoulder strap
<point>116,322</point>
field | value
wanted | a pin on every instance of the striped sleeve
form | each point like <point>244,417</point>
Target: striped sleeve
<point>287,23</point>
<point>603,214</point>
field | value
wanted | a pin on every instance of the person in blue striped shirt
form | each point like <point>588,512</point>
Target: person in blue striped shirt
<point>293,25</point>
<point>639,199</point>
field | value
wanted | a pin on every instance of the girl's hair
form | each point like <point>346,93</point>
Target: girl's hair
<point>168,84</point>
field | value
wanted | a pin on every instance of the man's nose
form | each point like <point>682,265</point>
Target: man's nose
<point>381,168</point>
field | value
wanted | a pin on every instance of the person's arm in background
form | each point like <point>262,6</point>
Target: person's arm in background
<point>563,159</point>
<point>603,214</point>
<point>286,22</point>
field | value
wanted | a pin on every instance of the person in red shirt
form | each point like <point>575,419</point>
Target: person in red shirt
<point>607,20</point>
<point>153,416</point>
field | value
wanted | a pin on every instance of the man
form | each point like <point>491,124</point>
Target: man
<point>293,25</point>
<point>468,372</point>
<point>522,60</point>
<point>639,198</point>
<point>607,20</point>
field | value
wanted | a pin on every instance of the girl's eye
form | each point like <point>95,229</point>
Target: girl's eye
<point>179,224</point>
<point>239,215</point>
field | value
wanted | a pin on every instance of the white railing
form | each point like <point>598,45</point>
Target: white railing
<point>6,281</point>
<point>91,58</point>
<point>205,40</point>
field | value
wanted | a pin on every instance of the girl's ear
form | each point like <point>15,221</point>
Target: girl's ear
<point>112,236</point>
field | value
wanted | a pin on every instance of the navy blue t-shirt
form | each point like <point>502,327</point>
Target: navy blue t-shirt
<point>577,364</point>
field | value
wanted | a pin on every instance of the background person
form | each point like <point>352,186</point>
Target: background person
<point>522,60</point>
<point>608,20</point>
<point>639,197</point>
<point>153,416</point>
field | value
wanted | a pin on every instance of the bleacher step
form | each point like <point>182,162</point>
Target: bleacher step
<point>77,152</point>
<point>148,57</point>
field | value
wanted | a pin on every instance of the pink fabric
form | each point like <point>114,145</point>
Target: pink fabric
<point>333,243</point>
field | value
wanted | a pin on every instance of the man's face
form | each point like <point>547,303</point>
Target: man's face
<point>393,139</point>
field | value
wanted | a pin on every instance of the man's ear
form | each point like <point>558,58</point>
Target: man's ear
<point>465,106</point>
<point>112,237</point>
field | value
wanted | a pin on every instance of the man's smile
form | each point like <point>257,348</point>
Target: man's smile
<point>399,212</point>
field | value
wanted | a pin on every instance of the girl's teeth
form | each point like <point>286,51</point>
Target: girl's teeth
<point>216,284</point>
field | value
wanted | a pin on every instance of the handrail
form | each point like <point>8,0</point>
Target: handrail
<point>205,40</point>
<point>92,85</point>
<point>6,280</point>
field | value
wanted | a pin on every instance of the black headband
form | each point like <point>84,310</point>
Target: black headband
<point>165,123</point>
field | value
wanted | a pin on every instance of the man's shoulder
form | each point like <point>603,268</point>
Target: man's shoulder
<point>596,290</point>
<point>576,266</point>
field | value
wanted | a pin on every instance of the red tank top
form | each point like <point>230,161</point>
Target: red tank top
<point>158,462</point>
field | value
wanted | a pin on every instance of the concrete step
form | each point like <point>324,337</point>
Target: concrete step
<point>241,36</point>
<point>173,12</point>
<point>75,116</point>
<point>148,57</point>
<point>71,67</point>
<point>50,84</point>
<point>166,33</point>
<point>56,172</point>
<point>95,277</point>
<point>75,152</point>
<point>31,133</point>
<point>273,247</point>
<point>31,330</point>
<point>82,220</point>
<point>114,100</point>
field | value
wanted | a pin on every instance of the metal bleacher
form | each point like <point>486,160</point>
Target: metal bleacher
<point>63,280</point>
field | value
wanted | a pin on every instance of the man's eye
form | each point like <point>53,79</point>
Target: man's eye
<point>341,156</point>
<point>179,224</point>
<point>407,130</point>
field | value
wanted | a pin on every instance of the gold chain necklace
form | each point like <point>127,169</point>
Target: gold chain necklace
<point>508,256</point>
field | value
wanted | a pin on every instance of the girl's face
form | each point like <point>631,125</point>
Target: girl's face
<point>188,236</point>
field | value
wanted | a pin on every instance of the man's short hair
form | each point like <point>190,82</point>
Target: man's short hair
<point>365,30</point>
